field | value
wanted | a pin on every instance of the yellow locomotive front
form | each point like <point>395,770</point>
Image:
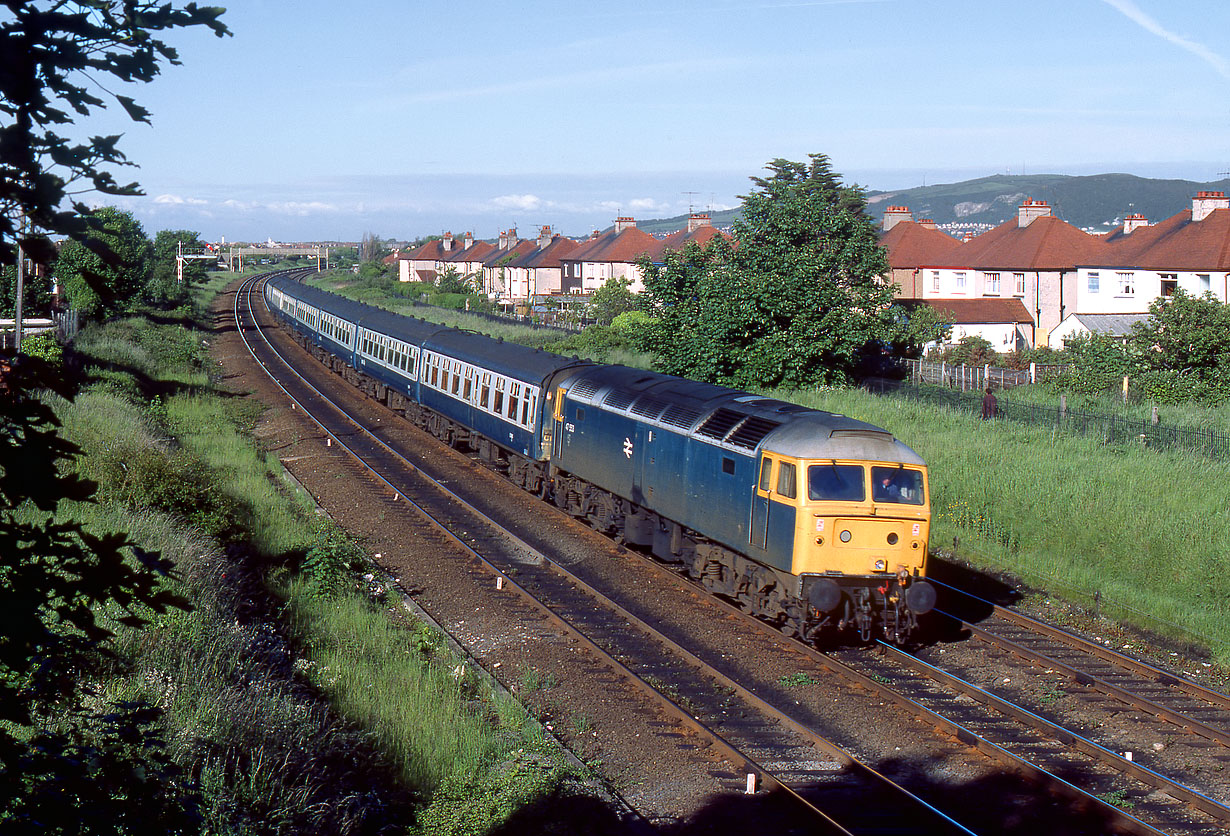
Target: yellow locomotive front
<point>860,539</point>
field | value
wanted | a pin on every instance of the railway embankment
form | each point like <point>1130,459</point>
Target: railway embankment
<point>287,699</point>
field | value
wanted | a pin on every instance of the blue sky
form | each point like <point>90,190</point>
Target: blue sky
<point>321,120</point>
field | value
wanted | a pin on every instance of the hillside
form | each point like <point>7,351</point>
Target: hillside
<point>1095,201</point>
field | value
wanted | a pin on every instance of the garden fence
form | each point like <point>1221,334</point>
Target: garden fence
<point>63,323</point>
<point>978,378</point>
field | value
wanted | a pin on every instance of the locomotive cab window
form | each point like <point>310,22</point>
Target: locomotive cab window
<point>897,484</point>
<point>836,483</point>
<point>787,481</point>
<point>766,472</point>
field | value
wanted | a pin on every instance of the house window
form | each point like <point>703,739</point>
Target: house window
<point>1127,284</point>
<point>1170,283</point>
<point>1202,281</point>
<point>992,283</point>
<point>1018,284</point>
<point>935,280</point>
<point>1094,282</point>
<point>961,281</point>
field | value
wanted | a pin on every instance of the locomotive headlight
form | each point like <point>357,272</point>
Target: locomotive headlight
<point>881,565</point>
<point>892,538</point>
<point>845,536</point>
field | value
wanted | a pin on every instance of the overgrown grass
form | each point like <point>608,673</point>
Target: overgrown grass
<point>1143,529</point>
<point>274,743</point>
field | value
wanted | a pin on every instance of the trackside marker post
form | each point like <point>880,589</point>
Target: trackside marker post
<point>751,784</point>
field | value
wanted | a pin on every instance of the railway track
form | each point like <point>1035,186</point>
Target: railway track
<point>753,733</point>
<point>760,743</point>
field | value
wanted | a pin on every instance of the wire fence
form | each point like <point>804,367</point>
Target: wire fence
<point>977,378</point>
<point>1110,429</point>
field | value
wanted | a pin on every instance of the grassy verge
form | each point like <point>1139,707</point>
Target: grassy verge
<point>289,697</point>
<point>1137,527</point>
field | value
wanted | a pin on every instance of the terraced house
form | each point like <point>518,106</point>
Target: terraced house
<point>1037,280</point>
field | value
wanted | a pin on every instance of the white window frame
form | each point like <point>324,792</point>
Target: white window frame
<point>1093,281</point>
<point>1127,283</point>
<point>1018,283</point>
<point>991,284</point>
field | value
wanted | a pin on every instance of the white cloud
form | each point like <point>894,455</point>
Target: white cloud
<point>523,202</point>
<point>1134,13</point>
<point>177,200</point>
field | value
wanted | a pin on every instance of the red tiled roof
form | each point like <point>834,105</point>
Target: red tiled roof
<point>626,247</point>
<point>474,252</point>
<point>498,257</point>
<point>1177,243</point>
<point>1046,244</point>
<point>548,256</point>
<point>910,244</point>
<point>701,236</point>
<point>982,311</point>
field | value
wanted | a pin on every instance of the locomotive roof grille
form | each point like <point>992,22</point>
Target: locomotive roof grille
<point>750,433</point>
<point>647,406</point>
<point>680,416</point>
<point>877,435</point>
<point>584,389</point>
<point>619,399</point>
<point>718,424</point>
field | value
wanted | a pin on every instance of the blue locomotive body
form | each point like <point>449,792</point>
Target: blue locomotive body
<point>814,521</point>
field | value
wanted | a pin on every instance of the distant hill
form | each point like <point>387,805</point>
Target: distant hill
<point>1096,202</point>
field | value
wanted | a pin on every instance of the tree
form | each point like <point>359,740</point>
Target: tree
<point>1182,351</point>
<point>69,764</point>
<point>165,257</point>
<point>36,293</point>
<point>98,286</point>
<point>795,301</point>
<point>612,299</point>
<point>55,60</point>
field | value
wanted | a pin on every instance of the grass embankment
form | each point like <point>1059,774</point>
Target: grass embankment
<point>290,697</point>
<point>1144,530</point>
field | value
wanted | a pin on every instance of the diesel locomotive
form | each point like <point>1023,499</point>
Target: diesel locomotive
<point>813,521</point>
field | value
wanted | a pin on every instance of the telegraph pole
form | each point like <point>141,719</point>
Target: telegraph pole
<point>21,276</point>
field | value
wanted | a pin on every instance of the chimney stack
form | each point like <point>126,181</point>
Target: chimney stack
<point>1031,210</point>
<point>544,237</point>
<point>446,243</point>
<point>927,223</point>
<point>1204,203</point>
<point>624,223</point>
<point>1134,221</point>
<point>468,241</point>
<point>895,215</point>
<point>695,222</point>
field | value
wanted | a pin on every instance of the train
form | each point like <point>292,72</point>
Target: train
<point>815,522</point>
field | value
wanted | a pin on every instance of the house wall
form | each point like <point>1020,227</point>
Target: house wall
<point>1003,336</point>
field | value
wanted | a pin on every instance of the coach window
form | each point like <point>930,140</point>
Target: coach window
<point>787,480</point>
<point>497,403</point>
<point>468,388</point>
<point>457,373</point>
<point>766,472</point>
<point>484,394</point>
<point>525,409</point>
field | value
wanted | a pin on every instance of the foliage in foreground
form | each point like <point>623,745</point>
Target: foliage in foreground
<point>235,730</point>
